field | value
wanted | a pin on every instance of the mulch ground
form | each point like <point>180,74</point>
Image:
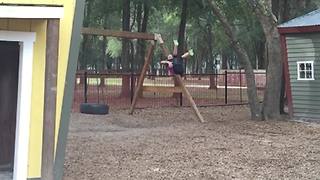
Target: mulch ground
<point>170,143</point>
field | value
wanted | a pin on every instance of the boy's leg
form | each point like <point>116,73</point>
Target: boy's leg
<point>187,54</point>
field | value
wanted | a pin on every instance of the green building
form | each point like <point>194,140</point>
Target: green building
<point>300,41</point>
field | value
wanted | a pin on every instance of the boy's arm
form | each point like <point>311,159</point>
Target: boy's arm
<point>168,63</point>
<point>164,62</point>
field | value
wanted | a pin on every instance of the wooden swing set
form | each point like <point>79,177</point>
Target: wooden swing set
<point>180,88</point>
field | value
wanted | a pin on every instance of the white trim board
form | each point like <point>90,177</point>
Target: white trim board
<point>31,12</point>
<point>26,40</point>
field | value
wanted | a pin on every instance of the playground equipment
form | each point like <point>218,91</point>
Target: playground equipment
<point>180,88</point>
<point>93,108</point>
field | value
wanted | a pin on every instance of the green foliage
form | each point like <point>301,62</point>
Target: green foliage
<point>114,48</point>
<point>164,18</point>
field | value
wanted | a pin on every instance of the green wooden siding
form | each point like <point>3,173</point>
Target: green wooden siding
<point>305,94</point>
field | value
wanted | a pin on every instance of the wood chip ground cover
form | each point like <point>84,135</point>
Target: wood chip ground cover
<point>169,143</point>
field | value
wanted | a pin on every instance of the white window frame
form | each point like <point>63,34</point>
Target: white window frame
<point>31,12</point>
<point>298,70</point>
<point>26,41</point>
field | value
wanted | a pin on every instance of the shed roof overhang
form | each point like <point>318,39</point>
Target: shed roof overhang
<point>23,11</point>
<point>297,30</point>
<point>308,23</point>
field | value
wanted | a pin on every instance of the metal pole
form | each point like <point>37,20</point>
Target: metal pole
<point>132,87</point>
<point>217,74</point>
<point>240,86</point>
<point>98,86</point>
<point>226,87</point>
<point>85,88</point>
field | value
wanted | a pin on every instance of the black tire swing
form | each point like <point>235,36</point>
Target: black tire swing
<point>93,108</point>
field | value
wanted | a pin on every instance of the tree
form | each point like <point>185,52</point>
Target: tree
<point>264,11</point>
<point>269,22</point>
<point>142,17</point>
<point>243,58</point>
<point>125,55</point>
<point>85,41</point>
<point>182,27</point>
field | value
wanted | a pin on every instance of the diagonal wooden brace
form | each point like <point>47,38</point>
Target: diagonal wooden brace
<point>189,97</point>
<point>147,61</point>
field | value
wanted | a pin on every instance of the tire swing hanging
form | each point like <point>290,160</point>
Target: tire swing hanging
<point>93,108</point>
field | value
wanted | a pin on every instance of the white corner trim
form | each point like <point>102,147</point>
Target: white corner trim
<point>31,12</point>
<point>26,39</point>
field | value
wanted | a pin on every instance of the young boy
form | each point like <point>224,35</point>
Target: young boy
<point>174,63</point>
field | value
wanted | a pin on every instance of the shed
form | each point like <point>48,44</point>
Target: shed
<point>39,42</point>
<point>300,42</point>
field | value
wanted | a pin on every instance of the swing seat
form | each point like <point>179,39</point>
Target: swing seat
<point>94,108</point>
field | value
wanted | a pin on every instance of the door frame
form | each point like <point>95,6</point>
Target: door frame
<point>26,41</point>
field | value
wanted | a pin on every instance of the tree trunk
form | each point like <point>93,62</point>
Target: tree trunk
<point>244,61</point>
<point>284,13</point>
<point>224,59</point>
<point>85,41</point>
<point>142,21</point>
<point>103,60</point>
<point>271,102</point>
<point>182,27</point>
<point>181,36</point>
<point>261,54</point>
<point>125,54</point>
<point>212,77</point>
<point>144,26</point>
<point>138,58</point>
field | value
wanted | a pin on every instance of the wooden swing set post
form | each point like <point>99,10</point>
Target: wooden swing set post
<point>147,61</point>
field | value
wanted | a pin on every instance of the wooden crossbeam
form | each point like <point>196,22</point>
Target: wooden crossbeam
<point>119,34</point>
<point>162,89</point>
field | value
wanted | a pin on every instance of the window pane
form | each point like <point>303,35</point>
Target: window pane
<point>302,74</point>
<point>302,66</point>
<point>308,66</point>
<point>309,74</point>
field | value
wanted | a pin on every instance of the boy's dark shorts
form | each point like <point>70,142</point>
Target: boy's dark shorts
<point>178,66</point>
